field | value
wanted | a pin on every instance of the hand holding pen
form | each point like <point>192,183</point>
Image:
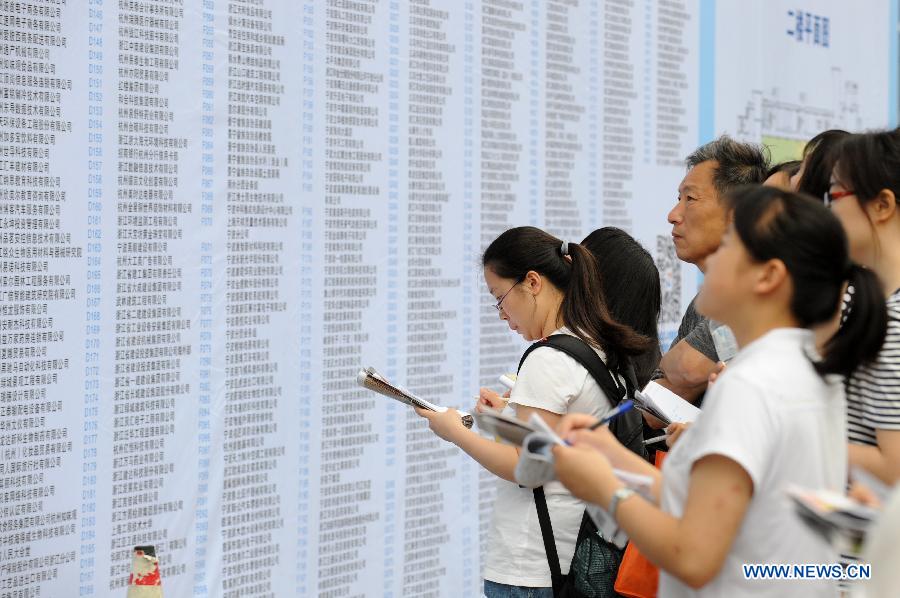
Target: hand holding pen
<point>591,423</point>
<point>583,430</point>
<point>622,408</point>
<point>673,432</point>
<point>577,427</point>
<point>489,400</point>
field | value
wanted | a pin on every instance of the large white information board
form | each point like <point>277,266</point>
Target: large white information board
<point>213,212</point>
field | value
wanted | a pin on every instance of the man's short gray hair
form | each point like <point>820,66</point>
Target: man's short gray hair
<point>739,163</point>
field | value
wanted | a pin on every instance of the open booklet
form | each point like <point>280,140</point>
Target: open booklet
<point>508,427</point>
<point>665,405</point>
<point>371,379</point>
<point>840,520</point>
<point>512,429</point>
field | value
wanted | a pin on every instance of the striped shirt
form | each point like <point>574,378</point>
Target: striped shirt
<point>873,390</point>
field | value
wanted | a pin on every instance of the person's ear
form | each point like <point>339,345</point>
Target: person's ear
<point>533,282</point>
<point>882,208</point>
<point>770,276</point>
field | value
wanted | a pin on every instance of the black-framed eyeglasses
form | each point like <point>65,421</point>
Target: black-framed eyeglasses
<point>831,196</point>
<point>499,304</point>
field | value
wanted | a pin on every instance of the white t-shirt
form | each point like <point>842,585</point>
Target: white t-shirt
<point>779,420</point>
<point>553,381</point>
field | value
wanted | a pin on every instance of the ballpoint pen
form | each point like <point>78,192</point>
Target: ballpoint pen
<point>614,413</point>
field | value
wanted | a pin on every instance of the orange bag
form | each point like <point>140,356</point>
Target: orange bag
<point>638,577</point>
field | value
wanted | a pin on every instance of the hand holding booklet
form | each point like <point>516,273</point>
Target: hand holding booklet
<point>371,379</point>
<point>838,519</point>
<point>663,404</point>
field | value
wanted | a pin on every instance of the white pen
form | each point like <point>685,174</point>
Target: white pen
<point>655,439</point>
<point>508,380</point>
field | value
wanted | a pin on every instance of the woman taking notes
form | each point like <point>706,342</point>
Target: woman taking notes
<point>542,286</point>
<point>775,417</point>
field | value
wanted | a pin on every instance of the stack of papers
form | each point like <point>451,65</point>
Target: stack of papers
<point>371,379</point>
<point>663,404</point>
<point>840,520</point>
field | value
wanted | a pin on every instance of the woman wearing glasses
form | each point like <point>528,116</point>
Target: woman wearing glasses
<point>863,195</point>
<point>543,286</point>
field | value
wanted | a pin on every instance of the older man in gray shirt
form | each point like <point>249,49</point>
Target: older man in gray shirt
<point>698,223</point>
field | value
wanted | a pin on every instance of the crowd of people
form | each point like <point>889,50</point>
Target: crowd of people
<point>801,261</point>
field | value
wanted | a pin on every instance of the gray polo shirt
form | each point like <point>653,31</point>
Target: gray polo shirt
<point>694,329</point>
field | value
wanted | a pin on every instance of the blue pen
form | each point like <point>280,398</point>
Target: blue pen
<point>614,413</point>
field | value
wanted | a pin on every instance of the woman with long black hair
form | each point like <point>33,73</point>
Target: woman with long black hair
<point>543,286</point>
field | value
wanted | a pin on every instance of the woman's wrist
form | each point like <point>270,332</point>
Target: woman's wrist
<point>608,488</point>
<point>618,496</point>
<point>459,434</point>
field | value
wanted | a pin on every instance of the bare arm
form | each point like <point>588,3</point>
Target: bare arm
<point>692,548</point>
<point>686,371</point>
<point>499,459</point>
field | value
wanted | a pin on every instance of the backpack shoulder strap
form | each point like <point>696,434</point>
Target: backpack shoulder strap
<point>581,352</point>
<point>628,428</point>
<point>540,501</point>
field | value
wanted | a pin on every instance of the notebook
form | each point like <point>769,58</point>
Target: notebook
<point>665,405</point>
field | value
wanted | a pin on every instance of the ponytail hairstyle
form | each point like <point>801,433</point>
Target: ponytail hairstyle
<point>810,241</point>
<point>519,250</point>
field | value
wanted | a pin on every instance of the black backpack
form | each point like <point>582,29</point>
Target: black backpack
<point>595,563</point>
